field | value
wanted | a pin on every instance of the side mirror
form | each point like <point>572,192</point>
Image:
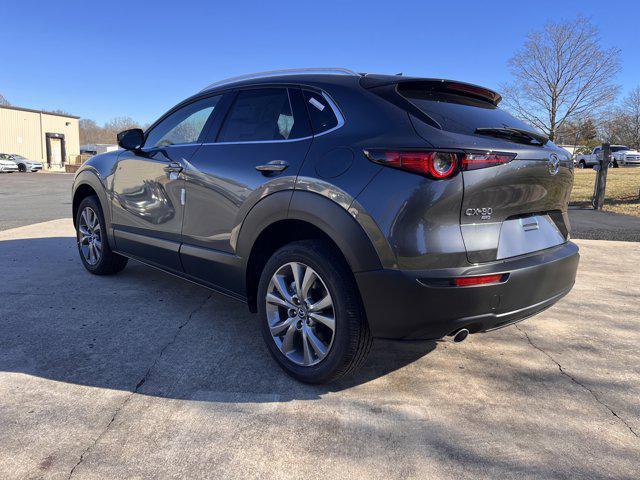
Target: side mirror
<point>132,139</point>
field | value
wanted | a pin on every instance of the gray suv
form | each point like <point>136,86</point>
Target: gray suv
<point>340,207</point>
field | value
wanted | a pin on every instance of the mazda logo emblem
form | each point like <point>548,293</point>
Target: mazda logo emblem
<point>554,164</point>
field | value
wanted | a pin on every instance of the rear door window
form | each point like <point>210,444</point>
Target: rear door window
<point>459,113</point>
<point>322,116</point>
<point>261,114</point>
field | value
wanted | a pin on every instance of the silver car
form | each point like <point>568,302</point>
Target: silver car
<point>7,166</point>
<point>24,164</point>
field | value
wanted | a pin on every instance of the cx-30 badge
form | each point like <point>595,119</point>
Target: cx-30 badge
<point>554,164</point>
<point>483,213</point>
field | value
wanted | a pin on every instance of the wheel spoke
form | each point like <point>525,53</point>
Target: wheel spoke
<point>92,254</point>
<point>309,277</point>
<point>84,218</point>
<point>298,272</point>
<point>83,230</point>
<point>308,357</point>
<point>330,322</point>
<point>287,341</point>
<point>275,300</point>
<point>94,219</point>
<point>282,288</point>
<point>321,304</point>
<point>278,328</point>
<point>97,245</point>
<point>316,343</point>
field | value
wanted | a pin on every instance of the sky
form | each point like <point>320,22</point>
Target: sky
<point>104,59</point>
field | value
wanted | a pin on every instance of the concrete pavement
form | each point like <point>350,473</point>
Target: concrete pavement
<point>27,198</point>
<point>143,375</point>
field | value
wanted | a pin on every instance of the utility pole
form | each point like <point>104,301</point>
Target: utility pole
<point>601,178</point>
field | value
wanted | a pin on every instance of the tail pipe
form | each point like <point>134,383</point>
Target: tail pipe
<point>460,335</point>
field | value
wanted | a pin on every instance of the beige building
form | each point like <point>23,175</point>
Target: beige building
<point>52,138</point>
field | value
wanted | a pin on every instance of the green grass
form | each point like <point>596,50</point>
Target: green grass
<point>622,194</point>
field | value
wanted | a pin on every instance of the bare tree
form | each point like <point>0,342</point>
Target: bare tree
<point>4,101</point>
<point>561,73</point>
<point>631,114</point>
<point>91,132</point>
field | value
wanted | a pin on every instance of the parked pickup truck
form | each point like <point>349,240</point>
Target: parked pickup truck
<point>620,155</point>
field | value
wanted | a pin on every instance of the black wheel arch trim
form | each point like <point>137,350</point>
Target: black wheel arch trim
<point>319,211</point>
<point>90,178</point>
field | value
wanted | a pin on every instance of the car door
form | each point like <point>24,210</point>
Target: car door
<point>148,186</point>
<point>256,150</point>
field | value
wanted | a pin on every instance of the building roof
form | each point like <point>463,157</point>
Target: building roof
<point>11,107</point>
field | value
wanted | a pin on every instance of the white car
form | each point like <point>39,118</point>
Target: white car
<point>620,155</point>
<point>24,164</point>
<point>628,157</point>
<point>8,166</point>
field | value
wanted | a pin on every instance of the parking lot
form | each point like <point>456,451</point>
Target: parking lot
<point>143,375</point>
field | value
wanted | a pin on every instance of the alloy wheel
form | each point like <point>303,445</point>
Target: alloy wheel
<point>90,236</point>
<point>300,313</point>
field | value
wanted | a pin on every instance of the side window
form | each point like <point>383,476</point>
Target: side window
<point>596,150</point>
<point>184,125</point>
<point>259,114</point>
<point>322,115</point>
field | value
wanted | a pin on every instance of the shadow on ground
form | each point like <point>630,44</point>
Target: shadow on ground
<point>146,331</point>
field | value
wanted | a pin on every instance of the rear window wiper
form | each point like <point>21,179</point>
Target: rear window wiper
<point>514,134</point>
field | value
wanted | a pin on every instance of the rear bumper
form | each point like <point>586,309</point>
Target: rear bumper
<point>415,305</point>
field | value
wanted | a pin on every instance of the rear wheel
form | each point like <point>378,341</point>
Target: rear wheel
<point>93,245</point>
<point>310,312</point>
<point>582,164</point>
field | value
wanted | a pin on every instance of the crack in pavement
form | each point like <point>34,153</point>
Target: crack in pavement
<point>142,381</point>
<point>577,382</point>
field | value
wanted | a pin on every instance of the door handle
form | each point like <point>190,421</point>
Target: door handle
<point>273,166</point>
<point>173,167</point>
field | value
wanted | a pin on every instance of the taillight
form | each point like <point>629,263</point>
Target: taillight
<point>436,164</point>
<point>474,161</point>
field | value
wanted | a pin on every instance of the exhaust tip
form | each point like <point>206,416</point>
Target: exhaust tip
<point>461,335</point>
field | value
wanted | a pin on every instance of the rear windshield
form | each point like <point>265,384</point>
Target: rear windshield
<point>460,114</point>
<point>619,149</point>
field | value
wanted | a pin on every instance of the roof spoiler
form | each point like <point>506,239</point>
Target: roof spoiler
<point>436,84</point>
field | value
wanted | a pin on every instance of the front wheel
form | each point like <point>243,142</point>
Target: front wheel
<point>22,168</point>
<point>93,245</point>
<point>311,315</point>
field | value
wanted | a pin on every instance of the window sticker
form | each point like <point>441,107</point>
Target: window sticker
<point>316,104</point>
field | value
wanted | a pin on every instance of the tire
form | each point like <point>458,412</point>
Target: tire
<point>103,261</point>
<point>581,164</point>
<point>615,164</point>
<point>22,168</point>
<point>351,339</point>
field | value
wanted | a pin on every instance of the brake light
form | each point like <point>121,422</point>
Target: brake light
<point>484,93</point>
<point>479,280</point>
<point>436,164</point>
<point>474,161</point>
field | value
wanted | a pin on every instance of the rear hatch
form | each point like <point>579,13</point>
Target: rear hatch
<point>508,209</point>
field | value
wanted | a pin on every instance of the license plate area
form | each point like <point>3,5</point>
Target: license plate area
<point>519,236</point>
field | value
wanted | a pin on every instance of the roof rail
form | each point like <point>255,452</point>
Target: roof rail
<point>275,73</point>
